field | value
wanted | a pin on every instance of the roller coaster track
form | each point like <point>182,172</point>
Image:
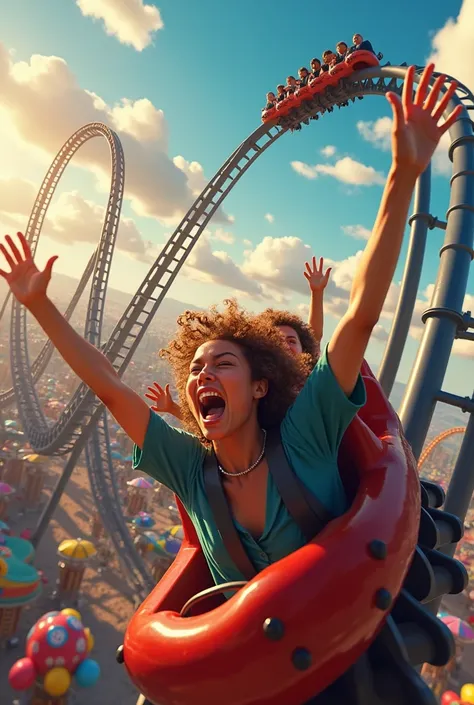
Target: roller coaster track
<point>439,438</point>
<point>84,421</point>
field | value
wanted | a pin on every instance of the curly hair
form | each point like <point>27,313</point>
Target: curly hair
<point>259,341</point>
<point>309,344</point>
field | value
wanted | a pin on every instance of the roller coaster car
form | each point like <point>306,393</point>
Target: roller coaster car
<point>340,70</point>
<point>294,100</point>
<point>270,114</point>
<point>303,621</point>
<point>323,80</point>
<point>361,59</point>
<point>303,93</point>
<point>284,107</point>
<point>318,84</point>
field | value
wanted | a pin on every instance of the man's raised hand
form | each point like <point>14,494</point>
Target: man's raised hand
<point>315,275</point>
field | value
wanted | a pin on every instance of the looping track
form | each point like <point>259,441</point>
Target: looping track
<point>439,439</point>
<point>84,420</point>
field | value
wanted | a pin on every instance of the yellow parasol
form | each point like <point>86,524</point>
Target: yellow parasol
<point>77,549</point>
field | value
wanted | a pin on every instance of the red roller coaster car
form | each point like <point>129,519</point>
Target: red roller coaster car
<point>301,622</point>
<point>356,61</point>
<point>361,59</point>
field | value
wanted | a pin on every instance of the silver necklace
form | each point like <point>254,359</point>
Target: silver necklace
<point>252,467</point>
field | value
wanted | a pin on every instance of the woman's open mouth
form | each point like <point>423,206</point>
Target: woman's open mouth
<point>211,407</point>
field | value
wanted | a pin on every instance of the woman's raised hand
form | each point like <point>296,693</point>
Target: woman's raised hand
<point>27,283</point>
<point>162,400</point>
<point>416,132</point>
<point>315,276</point>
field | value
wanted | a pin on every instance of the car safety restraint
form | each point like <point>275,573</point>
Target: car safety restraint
<point>306,510</point>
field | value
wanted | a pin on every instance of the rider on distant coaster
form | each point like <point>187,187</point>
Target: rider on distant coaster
<point>236,381</point>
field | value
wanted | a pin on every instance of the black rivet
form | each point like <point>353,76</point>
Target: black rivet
<point>274,629</point>
<point>378,549</point>
<point>383,599</point>
<point>301,659</point>
<point>119,655</point>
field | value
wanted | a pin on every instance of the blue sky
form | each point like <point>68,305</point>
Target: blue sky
<point>208,71</point>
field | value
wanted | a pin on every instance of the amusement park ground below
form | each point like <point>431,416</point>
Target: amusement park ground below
<point>106,605</point>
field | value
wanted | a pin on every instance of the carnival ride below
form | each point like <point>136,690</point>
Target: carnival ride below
<point>177,659</point>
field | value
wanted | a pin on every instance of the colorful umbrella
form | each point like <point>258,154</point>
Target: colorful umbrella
<point>140,483</point>
<point>77,549</point>
<point>6,489</point>
<point>459,628</point>
<point>154,543</point>
<point>143,521</point>
<point>173,539</point>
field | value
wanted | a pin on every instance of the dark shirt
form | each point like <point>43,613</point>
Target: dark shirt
<point>270,105</point>
<point>364,46</point>
<point>304,81</point>
<point>314,74</point>
<point>280,97</point>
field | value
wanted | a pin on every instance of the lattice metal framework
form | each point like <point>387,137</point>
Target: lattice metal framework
<point>84,411</point>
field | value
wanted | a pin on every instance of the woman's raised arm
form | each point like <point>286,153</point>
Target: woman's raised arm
<point>415,136</point>
<point>29,285</point>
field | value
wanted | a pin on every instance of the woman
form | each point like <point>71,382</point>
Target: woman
<point>230,394</point>
<point>301,339</point>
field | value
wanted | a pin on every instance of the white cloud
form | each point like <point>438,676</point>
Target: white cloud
<point>448,44</point>
<point>156,185</point>
<point>269,217</point>
<point>328,151</point>
<point>71,218</point>
<point>278,263</point>
<point>17,196</point>
<point>378,133</point>
<point>305,170</point>
<point>303,310</point>
<point>223,236</point>
<point>218,267</point>
<point>359,232</point>
<point>379,333</point>
<point>453,41</point>
<point>141,120</point>
<point>194,174</point>
<point>346,170</point>
<point>131,21</point>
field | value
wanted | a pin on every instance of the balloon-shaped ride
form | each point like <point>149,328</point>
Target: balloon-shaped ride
<point>57,649</point>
